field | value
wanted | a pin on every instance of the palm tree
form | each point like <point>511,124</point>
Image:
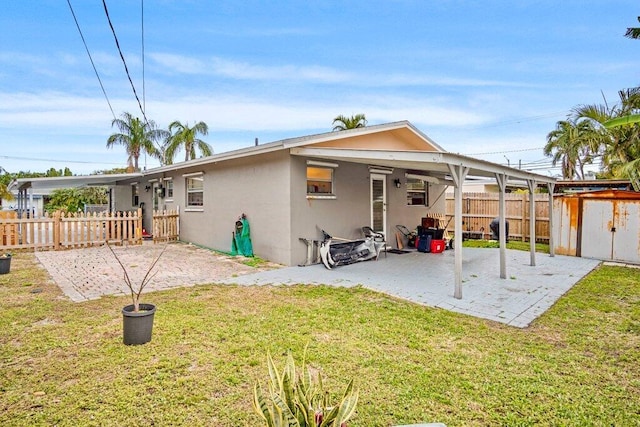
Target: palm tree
<point>575,143</point>
<point>563,144</point>
<point>633,33</point>
<point>137,137</point>
<point>5,179</point>
<point>619,134</point>
<point>627,113</point>
<point>343,123</point>
<point>185,137</point>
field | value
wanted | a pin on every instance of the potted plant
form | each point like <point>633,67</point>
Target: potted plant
<point>137,317</point>
<point>301,400</point>
<point>5,263</point>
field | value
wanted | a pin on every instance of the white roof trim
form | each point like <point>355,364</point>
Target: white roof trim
<point>433,162</point>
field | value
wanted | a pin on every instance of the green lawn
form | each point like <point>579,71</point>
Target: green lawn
<point>64,363</point>
<point>512,244</point>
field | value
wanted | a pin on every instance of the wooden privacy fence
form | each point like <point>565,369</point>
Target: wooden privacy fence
<point>479,209</point>
<point>77,230</point>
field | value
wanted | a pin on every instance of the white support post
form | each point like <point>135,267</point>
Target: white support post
<point>502,184</point>
<point>458,173</point>
<point>532,220</point>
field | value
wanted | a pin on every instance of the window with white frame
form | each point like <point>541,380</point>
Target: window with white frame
<point>195,191</point>
<point>168,185</point>
<point>417,192</point>
<point>319,180</point>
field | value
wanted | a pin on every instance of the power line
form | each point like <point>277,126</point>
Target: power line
<point>126,69</point>
<point>90,58</point>
<point>503,152</point>
<point>520,120</point>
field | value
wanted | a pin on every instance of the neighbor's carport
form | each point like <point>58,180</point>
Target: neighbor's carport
<point>451,169</point>
<point>27,186</point>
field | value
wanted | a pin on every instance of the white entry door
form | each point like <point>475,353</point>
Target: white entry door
<point>379,203</point>
<point>155,198</point>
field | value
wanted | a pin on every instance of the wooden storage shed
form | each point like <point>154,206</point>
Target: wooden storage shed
<point>601,224</point>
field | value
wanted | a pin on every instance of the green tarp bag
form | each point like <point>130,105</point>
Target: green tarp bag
<point>241,243</point>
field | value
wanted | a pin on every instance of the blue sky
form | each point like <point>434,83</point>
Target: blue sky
<point>484,78</point>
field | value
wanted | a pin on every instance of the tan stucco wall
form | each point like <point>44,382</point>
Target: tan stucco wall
<point>399,139</point>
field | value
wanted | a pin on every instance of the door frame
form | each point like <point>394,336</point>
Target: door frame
<point>383,178</point>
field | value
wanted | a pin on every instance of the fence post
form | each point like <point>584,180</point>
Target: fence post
<point>139,226</point>
<point>523,229</point>
<point>56,230</point>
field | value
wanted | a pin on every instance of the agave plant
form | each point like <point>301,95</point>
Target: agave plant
<point>300,401</point>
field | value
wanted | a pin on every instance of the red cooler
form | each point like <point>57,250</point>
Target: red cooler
<point>437,246</point>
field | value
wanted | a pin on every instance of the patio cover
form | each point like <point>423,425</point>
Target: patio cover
<point>45,185</point>
<point>449,169</point>
<point>52,183</point>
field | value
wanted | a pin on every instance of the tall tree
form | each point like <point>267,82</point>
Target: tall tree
<point>628,119</point>
<point>137,137</point>
<point>75,199</point>
<point>633,33</point>
<point>619,135</point>
<point>343,123</point>
<point>184,137</point>
<point>572,143</point>
<point>5,180</point>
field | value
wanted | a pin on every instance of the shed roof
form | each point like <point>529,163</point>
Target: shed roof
<point>602,194</point>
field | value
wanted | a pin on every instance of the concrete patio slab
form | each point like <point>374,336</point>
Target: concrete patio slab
<point>428,279</point>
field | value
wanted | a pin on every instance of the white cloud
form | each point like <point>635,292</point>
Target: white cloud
<point>246,71</point>
<point>313,73</point>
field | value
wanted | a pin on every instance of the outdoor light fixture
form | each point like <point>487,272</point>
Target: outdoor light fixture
<point>147,188</point>
<point>160,191</point>
<point>397,183</point>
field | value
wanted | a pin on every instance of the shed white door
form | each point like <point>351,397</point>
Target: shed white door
<point>610,230</point>
<point>379,203</point>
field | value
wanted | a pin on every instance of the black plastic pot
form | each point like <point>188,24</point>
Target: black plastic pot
<point>5,264</point>
<point>137,326</point>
